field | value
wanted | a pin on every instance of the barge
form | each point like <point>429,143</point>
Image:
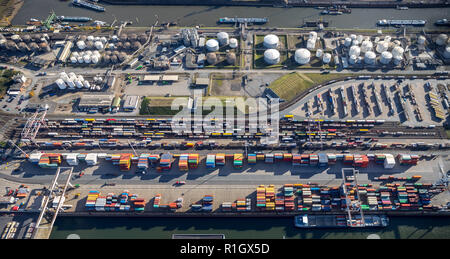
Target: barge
<point>385,22</point>
<point>244,20</point>
<point>340,221</point>
<point>88,5</point>
<point>442,22</point>
<point>74,19</point>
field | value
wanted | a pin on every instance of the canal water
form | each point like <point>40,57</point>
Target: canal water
<point>241,228</point>
<point>209,15</point>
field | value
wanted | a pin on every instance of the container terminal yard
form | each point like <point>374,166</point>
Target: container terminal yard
<point>88,116</point>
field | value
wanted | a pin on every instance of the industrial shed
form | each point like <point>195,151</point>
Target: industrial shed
<point>131,103</point>
<point>91,101</point>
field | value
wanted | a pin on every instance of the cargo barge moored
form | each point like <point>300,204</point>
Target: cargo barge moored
<point>89,5</point>
<point>244,20</point>
<point>340,221</point>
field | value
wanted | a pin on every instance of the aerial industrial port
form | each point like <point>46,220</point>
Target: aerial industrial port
<point>107,119</point>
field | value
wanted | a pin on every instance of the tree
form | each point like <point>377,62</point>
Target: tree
<point>31,94</point>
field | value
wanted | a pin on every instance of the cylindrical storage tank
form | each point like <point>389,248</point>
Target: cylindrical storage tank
<point>352,59</point>
<point>88,53</point>
<point>136,45</point>
<point>359,38</point>
<point>382,46</point>
<point>83,38</point>
<point>81,45</point>
<point>123,37</point>
<point>122,56</point>
<point>90,38</point>
<point>211,58</point>
<point>43,46</point>
<point>355,43</point>
<point>127,45</point>
<point>447,52</point>
<point>95,59</point>
<point>312,35</point>
<point>366,46</point>
<point>223,38</point>
<point>142,38</point>
<point>70,83</point>
<point>231,58</point>
<point>60,83</point>
<point>326,58</point>
<point>347,42</point>
<point>114,59</point>
<point>440,40</point>
<point>370,57</point>
<point>89,44</point>
<point>86,84</point>
<point>16,38</point>
<point>353,37</point>
<point>271,41</point>
<point>26,38</point>
<point>98,45</point>
<point>87,59</point>
<point>387,39</point>
<point>106,59</point>
<point>72,74</point>
<point>119,45</point>
<point>212,45</point>
<point>319,53</point>
<point>397,60</point>
<point>79,84</point>
<point>73,60</point>
<point>310,44</point>
<point>354,50</point>
<point>233,43</point>
<point>63,75</point>
<point>114,38</point>
<point>421,40</point>
<point>272,56</point>
<point>397,51</point>
<point>103,40</point>
<point>302,56</point>
<point>386,57</point>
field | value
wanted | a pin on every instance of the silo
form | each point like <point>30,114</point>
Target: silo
<point>312,35</point>
<point>348,42</point>
<point>108,53</point>
<point>231,58</point>
<point>211,58</point>
<point>326,58</point>
<point>271,56</point>
<point>3,43</point>
<point>72,75</point>
<point>319,53</point>
<point>352,59</point>
<point>114,38</point>
<point>75,54</point>
<point>440,40</point>
<point>355,43</point>
<point>11,45</point>
<point>122,56</point>
<point>107,59</point>
<point>80,59</point>
<point>223,38</point>
<point>387,39</point>
<point>86,84</point>
<point>376,40</point>
<point>87,58</point>
<point>110,46</point>
<point>136,45</point>
<point>353,37</point>
<point>81,45</point>
<point>95,59</point>
<point>79,84</point>
<point>88,53</point>
<point>115,52</point>
<point>90,38</point>
<point>114,59</point>
<point>63,75</point>
<point>36,37</point>
<point>43,46</point>
<point>127,45</point>
<point>302,56</point>
<point>95,53</point>
<point>119,45</point>
<point>82,38</point>
<point>382,46</point>
<point>271,41</point>
<point>233,43</point>
<point>23,47</point>
<point>370,57</point>
<point>397,51</point>
<point>397,60</point>
<point>447,52</point>
<point>89,44</point>
<point>97,38</point>
<point>212,45</point>
<point>103,40</point>
<point>359,38</point>
<point>133,37</point>
<point>354,50</point>
<point>386,57</point>
<point>73,60</point>
<point>70,83</point>
<point>310,44</point>
<point>421,40</point>
<point>366,46</point>
<point>98,45</point>
<point>60,83</point>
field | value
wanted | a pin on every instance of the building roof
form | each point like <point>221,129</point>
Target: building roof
<point>151,77</point>
<point>131,102</point>
<point>202,81</point>
<point>170,78</point>
<point>96,100</point>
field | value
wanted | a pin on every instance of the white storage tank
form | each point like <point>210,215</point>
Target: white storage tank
<point>73,60</point>
<point>366,46</point>
<point>353,37</point>
<point>421,40</point>
<point>397,60</point>
<point>223,38</point>
<point>302,56</point>
<point>79,83</point>
<point>87,59</point>
<point>72,75</point>
<point>90,38</point>
<point>81,45</point>
<point>355,43</point>
<point>347,42</point>
<point>386,57</point>
<point>211,58</point>
<point>397,51</point>
<point>354,50</point>
<point>60,83</point>
<point>271,41</point>
<point>387,39</point>
<point>212,45</point>
<point>352,59</point>
<point>86,84</point>
<point>359,38</point>
<point>233,43</point>
<point>370,57</point>
<point>382,46</point>
<point>75,54</point>
<point>441,39</point>
<point>310,44</point>
<point>447,52</point>
<point>312,35</point>
<point>87,53</point>
<point>319,53</point>
<point>326,58</point>
<point>271,56</point>
<point>98,45</point>
<point>376,40</point>
<point>103,40</point>
<point>95,59</point>
<point>70,83</point>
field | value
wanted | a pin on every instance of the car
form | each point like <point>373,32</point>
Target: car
<point>4,106</point>
<point>180,182</point>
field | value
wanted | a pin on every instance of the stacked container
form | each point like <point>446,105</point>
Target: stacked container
<point>389,161</point>
<point>153,159</point>
<point>35,157</point>
<point>91,159</point>
<point>226,206</point>
<point>72,159</point>
<point>242,205</point>
<point>331,159</point>
<point>313,159</point>
<point>143,161</point>
<point>360,161</point>
<point>125,162</point>
<point>348,159</point>
<point>156,201</point>
<point>304,159</point>
<point>165,162</point>
<point>91,199</point>
<point>210,161</point>
<point>237,160</point>
<point>279,202</point>
<point>251,159</point>
<point>278,157</point>
<point>207,203</point>
<point>270,197</point>
<point>289,197</point>
<point>220,159</point>
<point>287,157</point>
<point>193,160</point>
<point>269,159</point>
<point>323,159</point>
<point>406,159</point>
<point>183,162</point>
<point>260,197</point>
<point>296,160</point>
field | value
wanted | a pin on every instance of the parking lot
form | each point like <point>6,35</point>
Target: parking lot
<point>389,100</point>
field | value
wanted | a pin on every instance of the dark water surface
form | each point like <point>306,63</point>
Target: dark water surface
<point>251,228</point>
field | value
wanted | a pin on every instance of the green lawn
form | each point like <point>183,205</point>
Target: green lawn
<point>290,85</point>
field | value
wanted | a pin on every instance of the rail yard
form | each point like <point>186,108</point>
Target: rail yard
<point>89,113</point>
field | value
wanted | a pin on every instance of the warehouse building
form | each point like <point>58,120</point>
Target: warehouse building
<point>95,101</point>
<point>150,79</point>
<point>201,82</point>
<point>131,103</point>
